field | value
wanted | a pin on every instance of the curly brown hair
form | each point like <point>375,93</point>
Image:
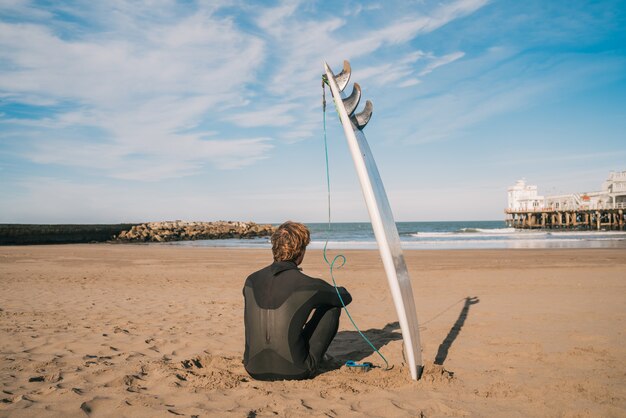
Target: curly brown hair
<point>289,241</point>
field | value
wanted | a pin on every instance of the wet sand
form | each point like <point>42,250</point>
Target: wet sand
<point>149,330</point>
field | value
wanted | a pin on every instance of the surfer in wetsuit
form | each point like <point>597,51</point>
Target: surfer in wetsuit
<point>279,299</point>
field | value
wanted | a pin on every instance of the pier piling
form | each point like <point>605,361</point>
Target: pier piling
<point>582,219</point>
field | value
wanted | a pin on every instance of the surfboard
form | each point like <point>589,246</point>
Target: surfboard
<point>379,210</point>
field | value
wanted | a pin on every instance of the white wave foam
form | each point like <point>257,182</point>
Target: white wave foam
<point>502,232</point>
<point>496,231</point>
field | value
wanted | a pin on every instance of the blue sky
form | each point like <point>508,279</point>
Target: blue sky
<point>124,111</point>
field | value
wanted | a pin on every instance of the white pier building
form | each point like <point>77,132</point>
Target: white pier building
<point>592,210</point>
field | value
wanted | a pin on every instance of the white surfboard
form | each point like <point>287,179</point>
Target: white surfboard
<point>379,210</point>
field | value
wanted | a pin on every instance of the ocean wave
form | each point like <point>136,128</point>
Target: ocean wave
<point>490,238</point>
<point>476,232</point>
<point>536,242</point>
<point>557,233</point>
<point>356,245</point>
<point>487,231</point>
<point>504,233</point>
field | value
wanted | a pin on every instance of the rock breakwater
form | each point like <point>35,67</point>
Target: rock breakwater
<point>186,231</point>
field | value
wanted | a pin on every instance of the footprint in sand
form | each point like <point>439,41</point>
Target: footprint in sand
<point>50,378</point>
<point>99,405</point>
<point>207,372</point>
<point>117,330</point>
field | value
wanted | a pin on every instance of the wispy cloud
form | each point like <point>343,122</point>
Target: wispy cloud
<point>436,62</point>
<point>139,92</point>
<point>277,115</point>
<point>140,76</point>
<point>152,90</point>
<point>487,85</point>
<point>405,71</point>
<point>312,40</point>
<point>302,42</point>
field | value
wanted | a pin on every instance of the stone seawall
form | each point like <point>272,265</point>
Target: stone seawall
<point>186,231</point>
<point>29,234</point>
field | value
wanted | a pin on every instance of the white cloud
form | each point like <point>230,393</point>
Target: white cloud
<point>409,82</point>
<point>440,61</point>
<point>157,89</point>
<point>404,71</point>
<point>157,80</point>
<point>200,56</point>
<point>303,43</point>
<point>410,26</point>
<point>491,84</point>
<point>309,42</point>
<point>277,115</point>
<point>141,92</point>
<point>272,20</point>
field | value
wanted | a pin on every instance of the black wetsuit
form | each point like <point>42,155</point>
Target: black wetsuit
<point>280,343</point>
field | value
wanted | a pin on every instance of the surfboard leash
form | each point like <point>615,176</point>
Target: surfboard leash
<point>341,257</point>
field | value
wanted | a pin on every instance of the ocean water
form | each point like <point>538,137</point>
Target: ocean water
<point>438,235</point>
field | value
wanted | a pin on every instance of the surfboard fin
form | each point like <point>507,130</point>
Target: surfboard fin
<point>344,76</point>
<point>352,101</point>
<point>360,119</point>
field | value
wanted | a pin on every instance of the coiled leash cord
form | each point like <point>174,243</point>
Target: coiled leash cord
<point>339,257</point>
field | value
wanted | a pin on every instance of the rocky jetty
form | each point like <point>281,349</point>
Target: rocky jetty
<point>186,231</point>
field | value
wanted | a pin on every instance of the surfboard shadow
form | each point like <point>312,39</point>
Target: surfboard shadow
<point>349,345</point>
<point>444,347</point>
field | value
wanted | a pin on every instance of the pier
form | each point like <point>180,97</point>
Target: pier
<point>580,219</point>
<point>593,211</point>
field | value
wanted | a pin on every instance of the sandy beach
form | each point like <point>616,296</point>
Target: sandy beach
<point>149,330</point>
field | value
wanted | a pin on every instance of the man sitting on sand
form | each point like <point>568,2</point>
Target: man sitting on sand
<point>280,343</point>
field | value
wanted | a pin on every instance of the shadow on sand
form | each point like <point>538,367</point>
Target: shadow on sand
<point>349,345</point>
<point>444,347</point>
